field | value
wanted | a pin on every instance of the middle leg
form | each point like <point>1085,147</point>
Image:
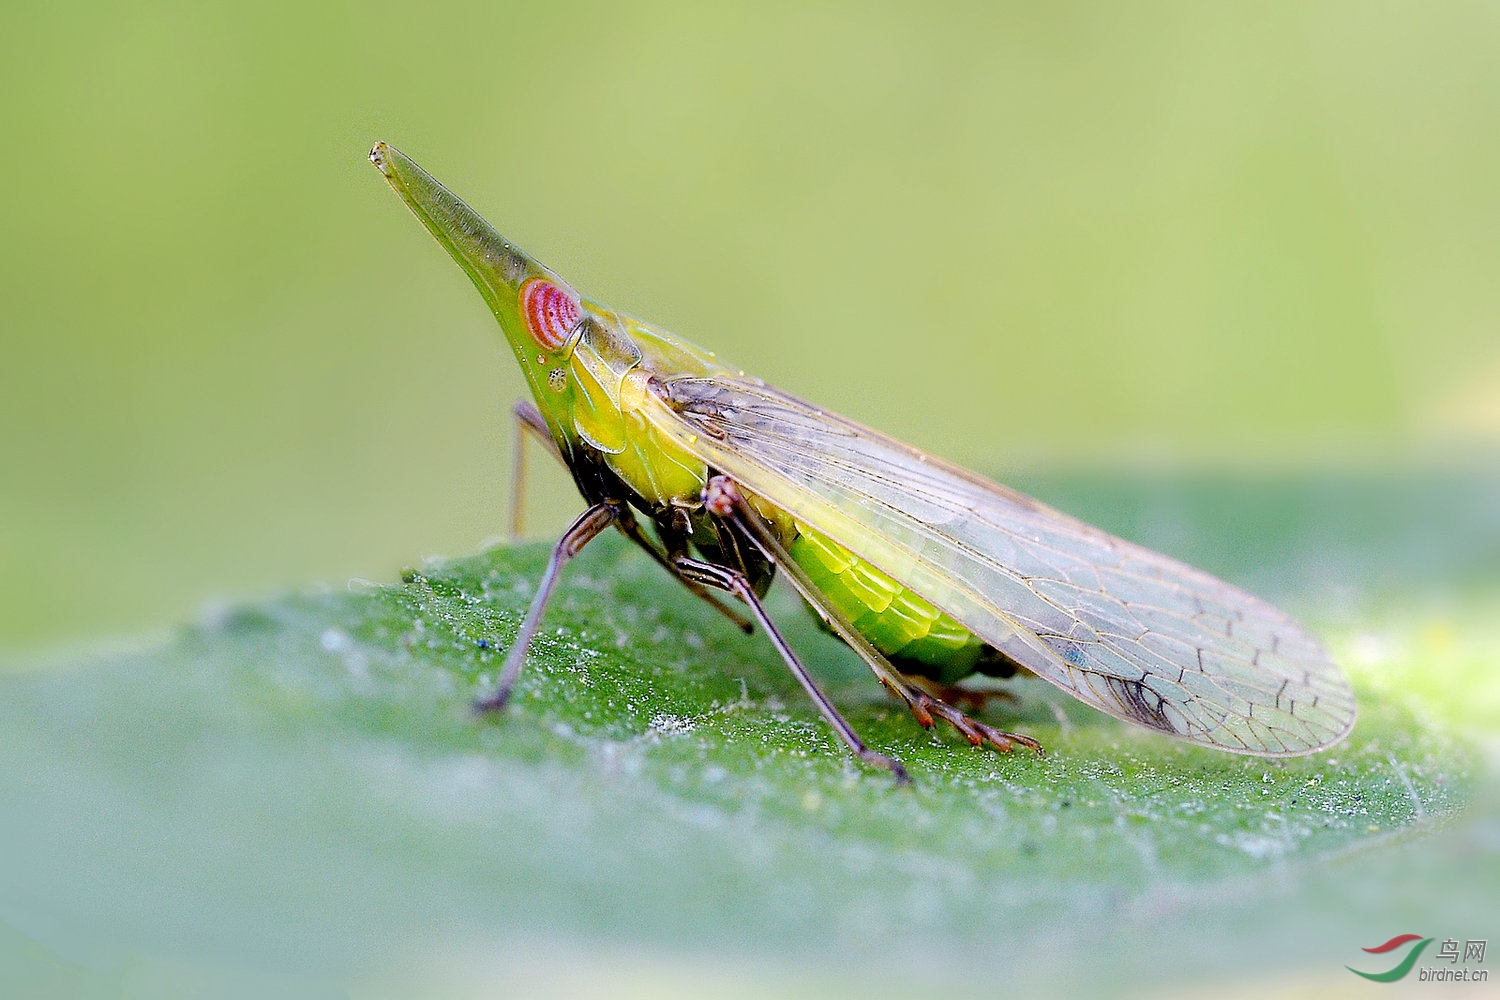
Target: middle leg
<point>734,582</point>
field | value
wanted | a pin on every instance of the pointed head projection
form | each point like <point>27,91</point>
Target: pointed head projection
<point>540,313</point>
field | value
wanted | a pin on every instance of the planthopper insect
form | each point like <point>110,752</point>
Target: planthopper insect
<point>931,573</point>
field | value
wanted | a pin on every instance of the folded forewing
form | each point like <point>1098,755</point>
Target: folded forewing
<point>1132,632</point>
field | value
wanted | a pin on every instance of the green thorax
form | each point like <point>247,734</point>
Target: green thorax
<point>607,378</point>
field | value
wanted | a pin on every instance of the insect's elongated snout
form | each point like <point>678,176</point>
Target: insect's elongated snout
<point>536,309</point>
<point>496,267</point>
<point>537,318</point>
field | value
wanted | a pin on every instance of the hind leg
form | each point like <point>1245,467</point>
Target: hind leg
<point>723,499</point>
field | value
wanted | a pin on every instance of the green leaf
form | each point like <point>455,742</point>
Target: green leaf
<point>299,786</point>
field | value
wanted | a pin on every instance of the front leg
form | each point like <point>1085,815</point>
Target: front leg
<point>529,422</point>
<point>584,530</point>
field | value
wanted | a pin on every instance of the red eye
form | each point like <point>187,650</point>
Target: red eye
<point>550,313</point>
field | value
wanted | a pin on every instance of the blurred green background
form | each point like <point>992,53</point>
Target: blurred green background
<point>1246,236</point>
<point>1218,277</point>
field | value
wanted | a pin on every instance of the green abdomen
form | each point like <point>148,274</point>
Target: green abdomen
<point>902,625</point>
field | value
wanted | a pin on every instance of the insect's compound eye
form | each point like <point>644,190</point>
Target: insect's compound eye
<point>550,312</point>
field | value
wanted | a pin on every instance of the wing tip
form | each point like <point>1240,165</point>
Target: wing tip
<point>1298,748</point>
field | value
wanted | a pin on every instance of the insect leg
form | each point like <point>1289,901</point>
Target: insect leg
<point>734,582</point>
<point>529,421</point>
<point>632,529</point>
<point>972,700</point>
<point>724,499</point>
<point>584,530</point>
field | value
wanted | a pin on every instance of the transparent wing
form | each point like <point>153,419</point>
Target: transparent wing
<point>1132,632</point>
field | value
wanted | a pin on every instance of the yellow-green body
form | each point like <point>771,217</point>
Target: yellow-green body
<point>900,624</point>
